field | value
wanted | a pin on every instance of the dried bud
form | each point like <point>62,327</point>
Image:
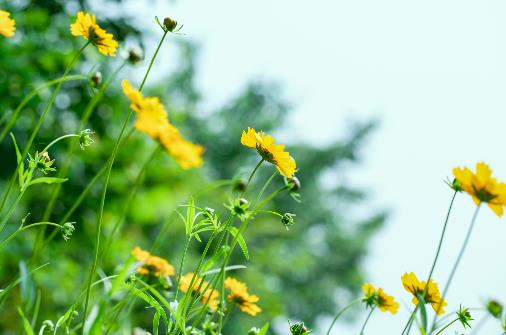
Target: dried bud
<point>169,24</point>
<point>96,78</point>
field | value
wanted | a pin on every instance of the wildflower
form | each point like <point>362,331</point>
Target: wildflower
<point>239,294</point>
<point>153,265</point>
<point>201,288</point>
<point>152,120</point>
<point>87,27</point>
<point>269,151</point>
<point>464,316</point>
<point>495,308</point>
<point>377,297</point>
<point>85,139</point>
<point>417,288</point>
<point>7,25</point>
<point>41,161</point>
<point>298,328</point>
<point>482,187</point>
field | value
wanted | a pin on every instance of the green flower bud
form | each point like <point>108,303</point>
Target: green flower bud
<point>67,230</point>
<point>464,316</point>
<point>293,184</point>
<point>298,328</point>
<point>495,308</point>
<point>287,220</point>
<point>85,138</point>
<point>96,78</point>
<point>41,161</point>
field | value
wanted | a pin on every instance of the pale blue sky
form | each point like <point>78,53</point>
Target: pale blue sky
<point>433,71</point>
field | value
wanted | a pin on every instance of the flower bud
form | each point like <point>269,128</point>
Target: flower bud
<point>96,78</point>
<point>169,24</point>
<point>298,328</point>
<point>240,185</point>
<point>464,317</point>
<point>253,331</point>
<point>293,184</point>
<point>135,55</point>
<point>495,308</point>
<point>85,138</point>
<point>67,230</point>
<point>287,220</point>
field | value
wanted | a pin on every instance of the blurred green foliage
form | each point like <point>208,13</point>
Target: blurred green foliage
<point>296,273</point>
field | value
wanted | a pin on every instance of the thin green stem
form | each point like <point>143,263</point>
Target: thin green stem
<point>31,95</point>
<point>58,140</point>
<point>457,261</point>
<point>251,175</point>
<point>344,309</point>
<point>436,257</point>
<point>104,191</point>
<point>183,258</point>
<point>446,326</point>
<point>14,234</point>
<point>11,209</point>
<point>367,320</point>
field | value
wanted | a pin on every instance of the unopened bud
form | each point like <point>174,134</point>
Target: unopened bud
<point>293,184</point>
<point>169,24</point>
<point>96,78</point>
<point>135,55</point>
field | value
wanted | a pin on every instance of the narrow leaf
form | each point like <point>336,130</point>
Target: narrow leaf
<point>240,240</point>
<point>264,329</point>
<point>18,159</point>
<point>48,180</point>
<point>26,324</point>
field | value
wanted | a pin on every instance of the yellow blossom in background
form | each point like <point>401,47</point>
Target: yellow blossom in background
<point>152,119</point>
<point>378,297</point>
<point>7,25</point>
<point>153,265</point>
<point>87,27</point>
<point>239,294</point>
<point>270,151</point>
<point>482,187</point>
<point>206,294</point>
<point>433,296</point>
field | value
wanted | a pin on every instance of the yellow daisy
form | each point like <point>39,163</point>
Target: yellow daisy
<point>270,151</point>
<point>378,297</point>
<point>201,288</point>
<point>152,120</point>
<point>152,265</point>
<point>87,27</point>
<point>239,294</point>
<point>482,187</point>
<point>7,25</point>
<point>433,296</point>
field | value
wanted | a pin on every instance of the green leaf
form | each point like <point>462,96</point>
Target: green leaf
<point>264,329</point>
<point>156,322</point>
<point>48,180</point>
<point>26,323</point>
<point>423,311</point>
<point>240,240</point>
<point>190,214</point>
<point>21,169</point>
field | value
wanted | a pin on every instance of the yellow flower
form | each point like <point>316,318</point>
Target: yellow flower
<point>378,297</point>
<point>87,27</point>
<point>482,187</point>
<point>270,151</point>
<point>153,265</point>
<point>239,294</point>
<point>205,293</point>
<point>152,120</point>
<point>415,287</point>
<point>7,25</point>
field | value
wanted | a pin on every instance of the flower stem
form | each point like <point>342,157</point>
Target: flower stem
<point>446,326</point>
<point>11,236</point>
<point>104,192</point>
<point>367,320</point>
<point>344,309</point>
<point>251,175</point>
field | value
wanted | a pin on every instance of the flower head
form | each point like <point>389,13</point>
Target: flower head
<point>482,187</point>
<point>270,151</point>
<point>152,120</point>
<point>87,27</point>
<point>377,297</point>
<point>7,25</point>
<point>239,294</point>
<point>417,288</point>
<point>201,288</point>
<point>152,265</point>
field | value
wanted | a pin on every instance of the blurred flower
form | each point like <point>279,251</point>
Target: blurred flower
<point>271,152</point>
<point>206,294</point>
<point>7,25</point>
<point>482,187</point>
<point>433,296</point>
<point>495,308</point>
<point>152,120</point>
<point>135,55</point>
<point>377,297</point>
<point>96,79</point>
<point>239,294</point>
<point>87,27</point>
<point>153,265</point>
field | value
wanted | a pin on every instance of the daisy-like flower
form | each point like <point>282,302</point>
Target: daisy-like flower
<point>416,287</point>
<point>87,27</point>
<point>377,297</point>
<point>269,151</point>
<point>482,187</point>
<point>239,294</point>
<point>7,25</point>
<point>201,288</point>
<point>152,265</point>
<point>152,120</point>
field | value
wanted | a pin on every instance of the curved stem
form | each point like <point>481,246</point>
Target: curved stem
<point>11,236</point>
<point>104,191</point>
<point>344,309</point>
<point>30,96</point>
<point>367,320</point>
<point>58,140</point>
<point>447,325</point>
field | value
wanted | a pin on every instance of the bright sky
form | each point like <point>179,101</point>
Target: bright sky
<point>433,72</point>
